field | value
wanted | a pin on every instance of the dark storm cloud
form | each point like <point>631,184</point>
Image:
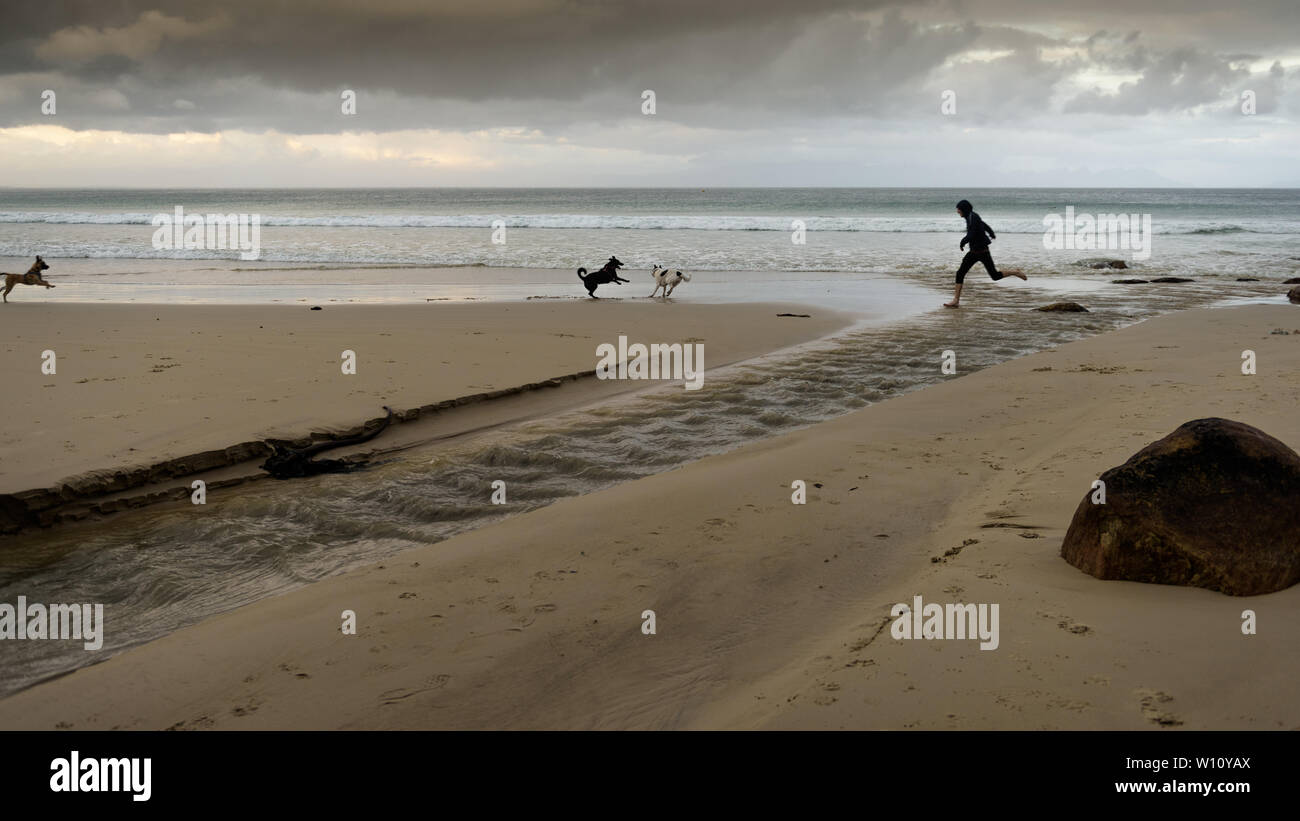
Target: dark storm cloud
<point>1180,79</point>
<point>163,65</point>
<point>558,49</point>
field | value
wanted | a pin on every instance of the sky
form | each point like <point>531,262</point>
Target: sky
<point>946,93</point>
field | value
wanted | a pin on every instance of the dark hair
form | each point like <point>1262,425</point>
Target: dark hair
<point>964,207</point>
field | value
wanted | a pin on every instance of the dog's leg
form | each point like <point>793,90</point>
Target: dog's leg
<point>9,286</point>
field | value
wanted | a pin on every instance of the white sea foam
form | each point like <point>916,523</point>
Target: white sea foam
<point>648,222</point>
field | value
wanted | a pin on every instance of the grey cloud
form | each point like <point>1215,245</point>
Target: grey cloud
<point>561,65</point>
<point>1180,79</point>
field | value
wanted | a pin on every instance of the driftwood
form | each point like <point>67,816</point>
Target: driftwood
<point>293,463</point>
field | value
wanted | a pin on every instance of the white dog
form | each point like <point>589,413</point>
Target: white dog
<point>668,280</point>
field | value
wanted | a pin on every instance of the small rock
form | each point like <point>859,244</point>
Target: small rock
<point>1107,263</point>
<point>316,307</point>
<point>1247,279</point>
<point>1128,281</point>
<point>1291,281</point>
<point>1173,279</point>
<point>1294,295</point>
<point>1063,307</point>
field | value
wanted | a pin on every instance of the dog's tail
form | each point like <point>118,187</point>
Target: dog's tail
<point>582,273</point>
<point>686,276</point>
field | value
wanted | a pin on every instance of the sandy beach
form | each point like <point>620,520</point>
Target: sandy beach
<point>139,384</point>
<point>768,614</point>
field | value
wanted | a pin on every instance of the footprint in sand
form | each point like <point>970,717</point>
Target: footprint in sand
<point>1150,701</point>
<point>712,524</point>
<point>200,723</point>
<point>436,682</point>
<point>1068,624</point>
<point>295,670</point>
<point>1078,629</point>
<point>394,696</point>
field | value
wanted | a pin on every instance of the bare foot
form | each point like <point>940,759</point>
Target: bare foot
<point>951,305</point>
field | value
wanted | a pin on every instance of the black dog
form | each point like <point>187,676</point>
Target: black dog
<point>605,275</point>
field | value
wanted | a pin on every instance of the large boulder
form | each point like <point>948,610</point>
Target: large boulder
<point>1291,281</point>
<point>1212,504</point>
<point>1293,295</point>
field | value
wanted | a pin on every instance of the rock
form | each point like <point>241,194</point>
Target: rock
<point>1063,307</point>
<point>1210,505</point>
<point>1291,281</point>
<point>1106,263</point>
<point>1247,279</point>
<point>1294,295</point>
<point>315,307</point>
<point>1128,281</point>
<point>1173,279</point>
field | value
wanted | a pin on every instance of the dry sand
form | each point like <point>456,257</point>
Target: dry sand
<point>137,384</point>
<point>771,614</point>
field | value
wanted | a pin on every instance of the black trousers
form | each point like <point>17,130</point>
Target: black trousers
<point>978,255</point>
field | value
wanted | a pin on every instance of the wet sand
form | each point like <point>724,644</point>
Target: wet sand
<point>138,384</point>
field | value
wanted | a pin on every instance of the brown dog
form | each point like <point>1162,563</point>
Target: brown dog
<point>32,277</point>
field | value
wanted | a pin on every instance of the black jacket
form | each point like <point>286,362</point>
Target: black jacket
<point>975,230</point>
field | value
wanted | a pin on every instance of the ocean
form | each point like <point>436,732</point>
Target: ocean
<point>433,243</point>
<point>886,253</point>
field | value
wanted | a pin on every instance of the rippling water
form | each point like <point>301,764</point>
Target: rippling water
<point>875,230</point>
<point>167,566</point>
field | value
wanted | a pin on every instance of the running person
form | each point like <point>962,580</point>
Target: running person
<point>976,229</point>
